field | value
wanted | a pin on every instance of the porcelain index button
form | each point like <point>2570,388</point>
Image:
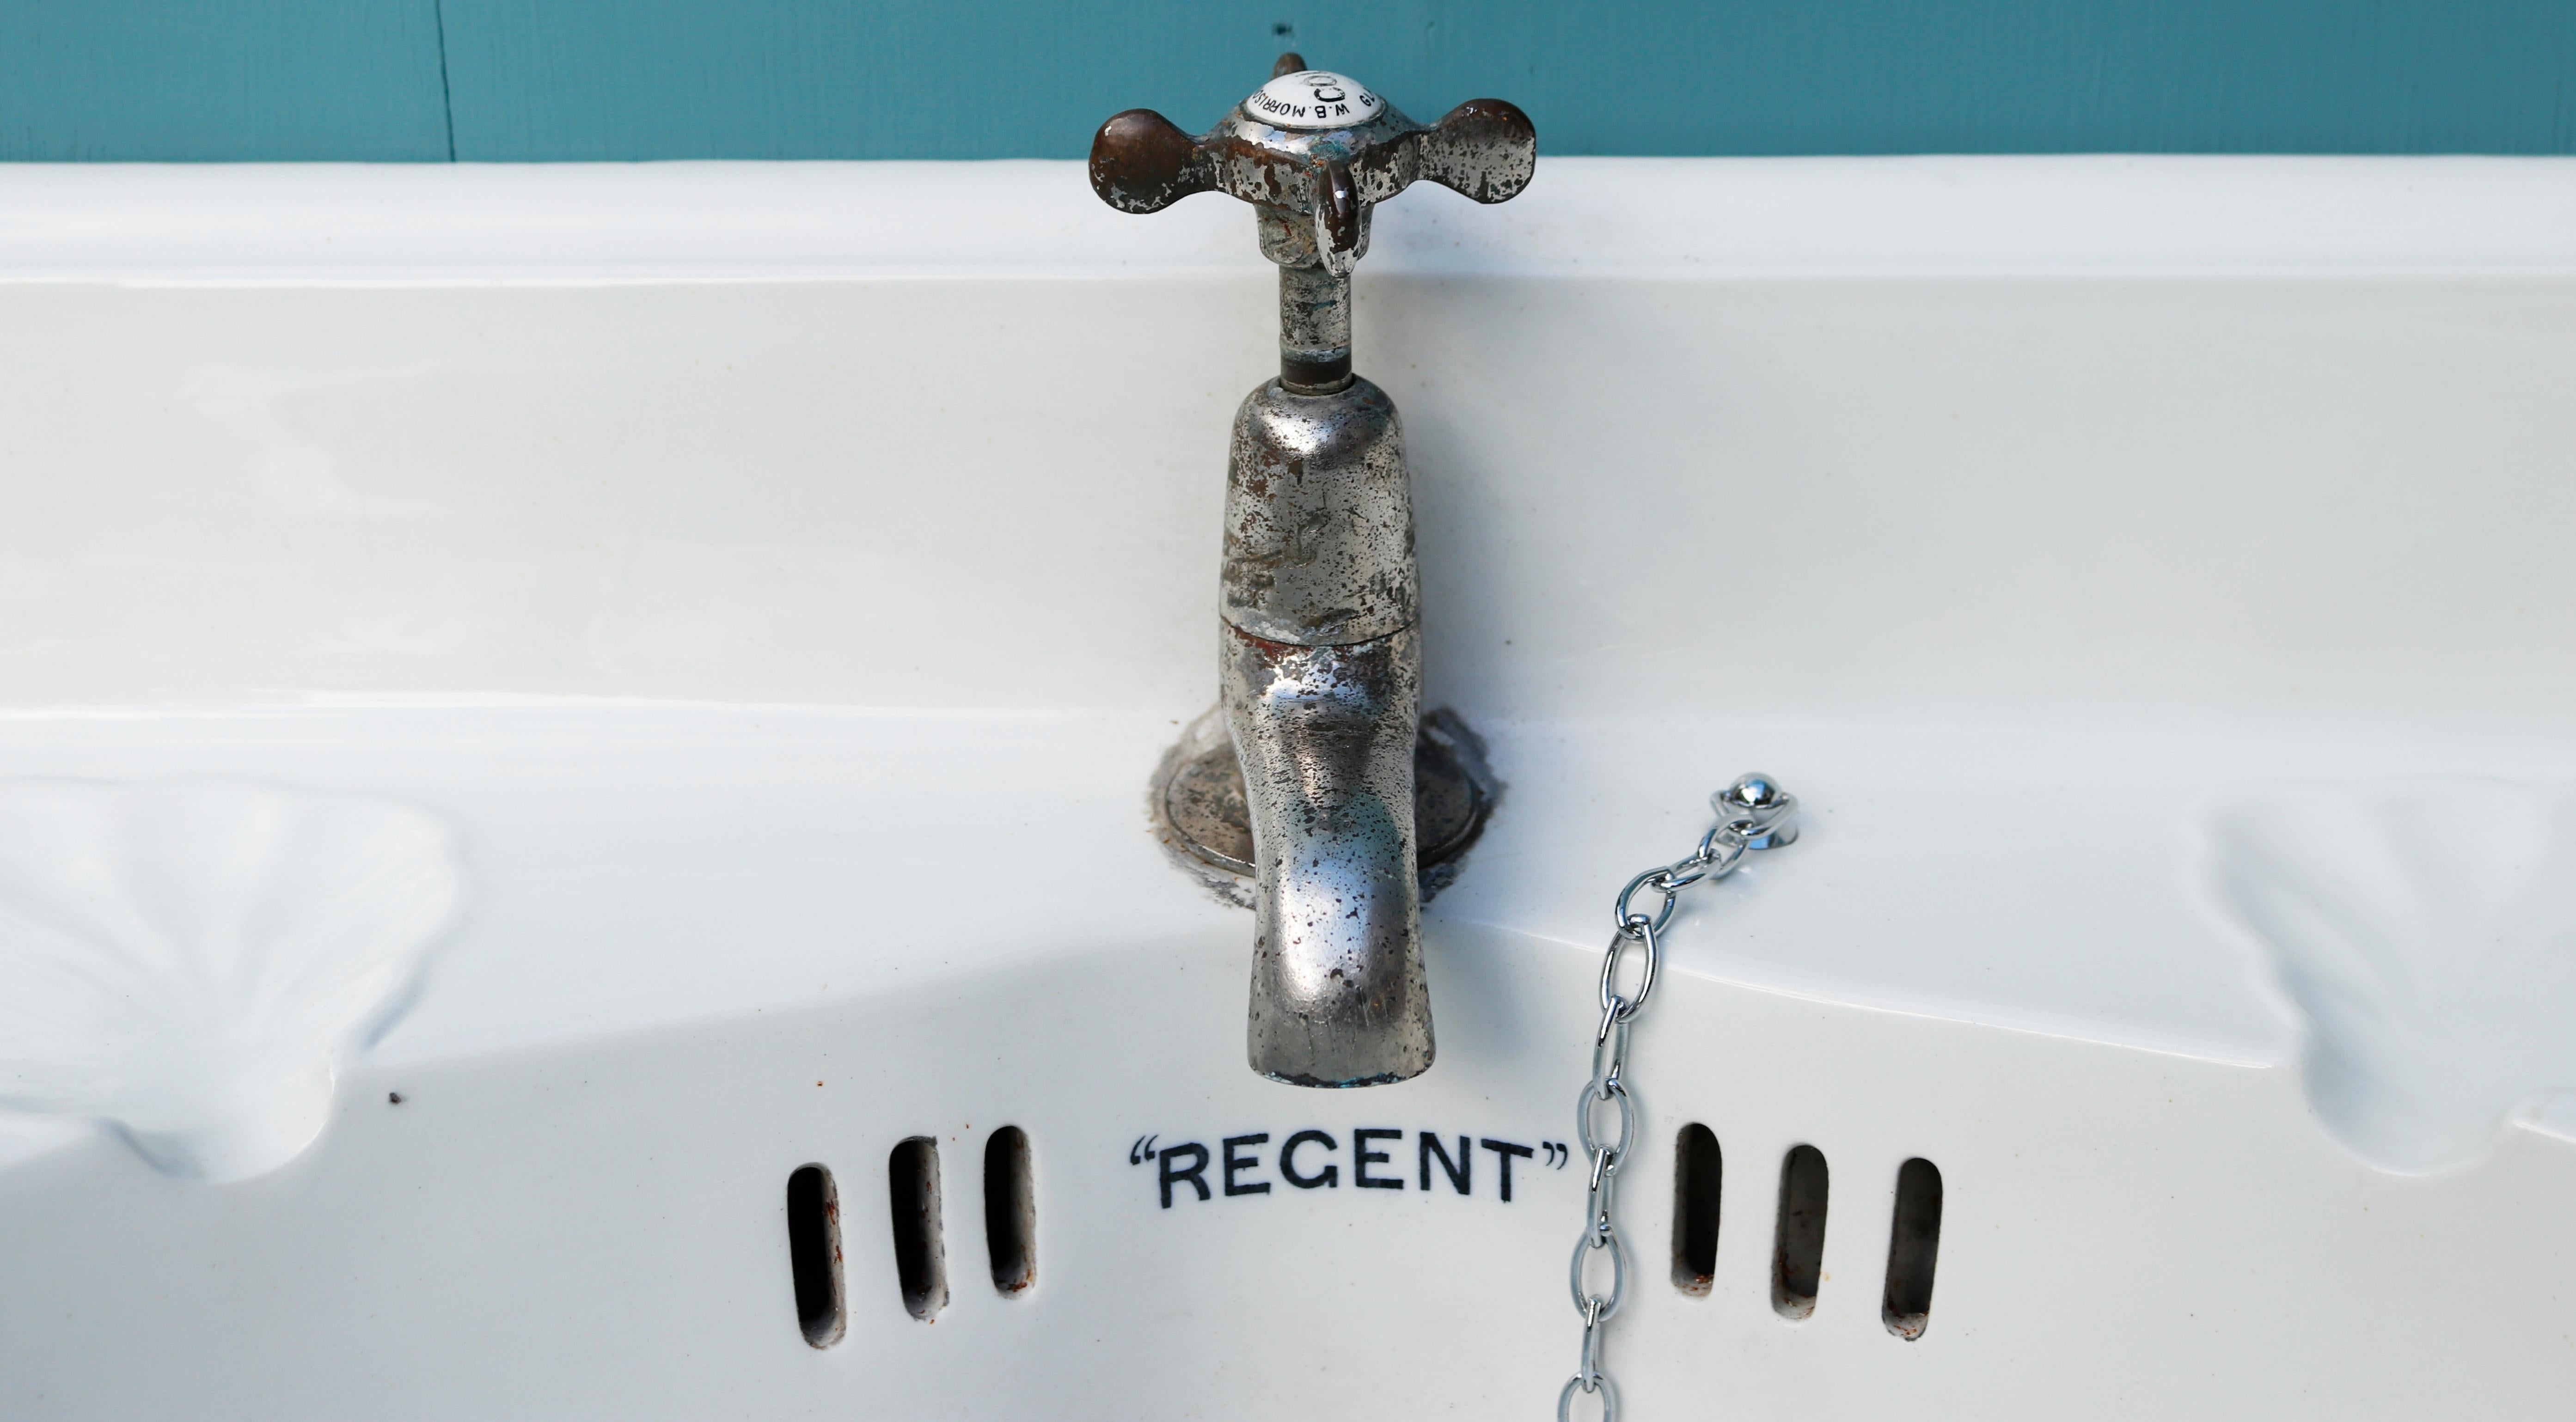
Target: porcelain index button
<point>1314,99</point>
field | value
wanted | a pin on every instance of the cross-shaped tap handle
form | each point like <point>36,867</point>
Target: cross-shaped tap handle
<point>1313,151</point>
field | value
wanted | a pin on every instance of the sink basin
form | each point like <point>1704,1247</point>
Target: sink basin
<point>574,794</point>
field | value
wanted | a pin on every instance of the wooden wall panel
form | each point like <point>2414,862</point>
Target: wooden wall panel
<point>201,80</point>
<point>529,80</point>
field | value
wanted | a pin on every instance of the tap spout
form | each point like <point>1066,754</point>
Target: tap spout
<point>1325,736</point>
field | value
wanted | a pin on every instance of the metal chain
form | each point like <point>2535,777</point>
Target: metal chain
<point>1753,813</point>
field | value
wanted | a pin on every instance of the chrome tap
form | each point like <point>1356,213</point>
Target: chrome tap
<point>1319,658</point>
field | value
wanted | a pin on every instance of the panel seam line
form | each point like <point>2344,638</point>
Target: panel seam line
<point>446,94</point>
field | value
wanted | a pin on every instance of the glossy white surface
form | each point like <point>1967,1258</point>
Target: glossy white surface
<point>2427,932</point>
<point>189,960</point>
<point>725,557</point>
<point>310,224</point>
<point>2310,474</point>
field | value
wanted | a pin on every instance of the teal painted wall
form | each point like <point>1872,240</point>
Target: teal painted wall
<point>533,80</point>
<point>209,80</point>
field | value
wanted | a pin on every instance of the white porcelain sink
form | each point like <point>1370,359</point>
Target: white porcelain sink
<point>542,702</point>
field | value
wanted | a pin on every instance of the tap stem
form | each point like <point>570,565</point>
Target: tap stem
<point>1314,330</point>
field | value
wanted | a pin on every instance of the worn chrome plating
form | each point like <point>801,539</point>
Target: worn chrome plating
<point>1319,519</point>
<point>1319,660</point>
<point>1325,735</point>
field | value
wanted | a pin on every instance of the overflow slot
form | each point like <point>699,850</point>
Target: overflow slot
<point>1698,1171</point>
<point>814,1253</point>
<point>1798,1249</point>
<point>920,1261</point>
<point>1010,1212</point>
<point>1913,1247</point>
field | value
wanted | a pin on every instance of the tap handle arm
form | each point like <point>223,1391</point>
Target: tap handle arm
<point>1484,148</point>
<point>1142,162</point>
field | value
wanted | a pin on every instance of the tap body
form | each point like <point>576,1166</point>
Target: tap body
<point>1319,656</point>
<point>1320,665</point>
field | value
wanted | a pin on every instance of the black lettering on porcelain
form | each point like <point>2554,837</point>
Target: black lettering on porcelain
<point>1196,1175</point>
<point>1237,1164</point>
<point>1310,1160</point>
<point>1328,1176</point>
<point>1504,1153</point>
<point>1461,1171</point>
<point>1362,1158</point>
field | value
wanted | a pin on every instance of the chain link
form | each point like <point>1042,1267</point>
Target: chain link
<point>1753,813</point>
